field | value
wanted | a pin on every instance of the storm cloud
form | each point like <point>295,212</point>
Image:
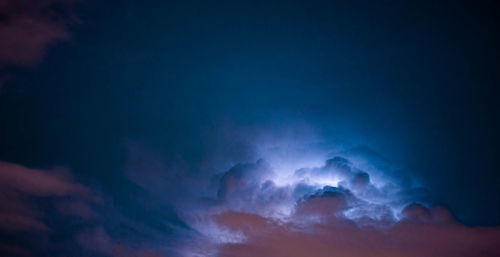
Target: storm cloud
<point>343,207</point>
<point>249,128</point>
<point>350,205</point>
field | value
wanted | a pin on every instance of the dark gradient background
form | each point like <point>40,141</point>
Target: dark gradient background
<point>103,87</point>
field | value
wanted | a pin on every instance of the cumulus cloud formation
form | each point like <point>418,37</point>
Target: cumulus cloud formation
<point>27,28</point>
<point>341,208</point>
<point>259,188</point>
<point>351,204</point>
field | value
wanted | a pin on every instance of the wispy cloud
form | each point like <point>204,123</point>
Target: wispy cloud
<point>27,28</point>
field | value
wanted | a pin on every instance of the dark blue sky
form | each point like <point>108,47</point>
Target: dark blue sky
<point>416,81</point>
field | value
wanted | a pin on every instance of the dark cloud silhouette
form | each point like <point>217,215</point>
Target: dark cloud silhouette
<point>242,179</point>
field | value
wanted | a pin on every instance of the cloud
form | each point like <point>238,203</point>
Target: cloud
<point>241,179</point>
<point>341,207</point>
<point>21,186</point>
<point>48,212</point>
<point>344,207</point>
<point>326,202</point>
<point>266,237</point>
<point>98,241</point>
<point>37,182</point>
<point>27,28</point>
<point>258,188</point>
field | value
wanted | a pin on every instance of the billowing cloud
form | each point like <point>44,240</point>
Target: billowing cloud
<point>341,208</point>
<point>348,205</point>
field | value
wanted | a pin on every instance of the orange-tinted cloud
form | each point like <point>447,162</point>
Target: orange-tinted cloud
<point>342,238</point>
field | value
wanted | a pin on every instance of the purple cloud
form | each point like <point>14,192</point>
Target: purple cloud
<point>29,27</point>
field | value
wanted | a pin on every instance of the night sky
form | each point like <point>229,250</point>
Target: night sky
<point>249,128</point>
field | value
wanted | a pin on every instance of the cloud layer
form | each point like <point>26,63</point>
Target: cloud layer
<point>350,205</point>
